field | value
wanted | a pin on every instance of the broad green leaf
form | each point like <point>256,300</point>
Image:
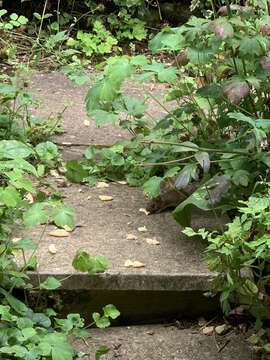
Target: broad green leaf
<point>15,304</point>
<point>10,196</point>
<point>152,186</point>
<point>36,215</point>
<point>25,244</point>
<point>169,39</point>
<point>63,215</point>
<point>13,149</point>
<point>51,283</point>
<point>92,264</point>
<point>47,151</point>
<point>75,171</point>
<point>104,118</point>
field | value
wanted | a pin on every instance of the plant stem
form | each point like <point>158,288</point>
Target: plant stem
<point>196,148</point>
<point>42,19</point>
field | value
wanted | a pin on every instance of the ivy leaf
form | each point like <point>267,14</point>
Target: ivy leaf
<point>64,215</point>
<point>36,215</point>
<point>51,283</point>
<point>111,312</point>
<point>152,186</point>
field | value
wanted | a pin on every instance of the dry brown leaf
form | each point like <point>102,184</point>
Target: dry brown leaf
<point>105,198</point>
<point>52,249</point>
<point>142,229</point>
<point>208,330</point>
<point>29,197</point>
<point>221,329</point>
<point>86,123</point>
<point>142,210</point>
<point>134,264</point>
<point>152,241</point>
<point>59,233</point>
<point>131,237</point>
<point>102,185</point>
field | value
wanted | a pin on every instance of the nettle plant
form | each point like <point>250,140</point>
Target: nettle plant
<point>217,133</point>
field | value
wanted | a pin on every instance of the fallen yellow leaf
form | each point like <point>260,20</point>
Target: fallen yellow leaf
<point>86,122</point>
<point>142,229</point>
<point>67,228</point>
<point>105,198</point>
<point>152,241</point>
<point>144,211</point>
<point>16,239</point>
<point>29,197</point>
<point>59,233</point>
<point>52,249</point>
<point>102,185</point>
<point>134,264</point>
<point>131,237</point>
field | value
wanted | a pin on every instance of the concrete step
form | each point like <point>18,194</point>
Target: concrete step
<point>160,342</point>
<point>172,283</point>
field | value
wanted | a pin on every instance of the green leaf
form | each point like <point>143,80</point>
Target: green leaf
<point>101,322</point>
<point>102,350</point>
<point>47,151</point>
<point>135,107</point>
<point>25,244</point>
<point>51,283</point>
<point>64,215</point>
<point>92,264</point>
<point>168,39</point>
<point>81,333</point>
<point>104,118</point>
<point>164,74</point>
<point>36,215</point>
<point>13,149</point>
<point>152,186</point>
<point>75,171</point>
<point>10,196</point>
<point>111,312</point>
<point>16,304</point>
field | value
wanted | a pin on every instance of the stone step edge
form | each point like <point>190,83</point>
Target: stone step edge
<point>180,282</point>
